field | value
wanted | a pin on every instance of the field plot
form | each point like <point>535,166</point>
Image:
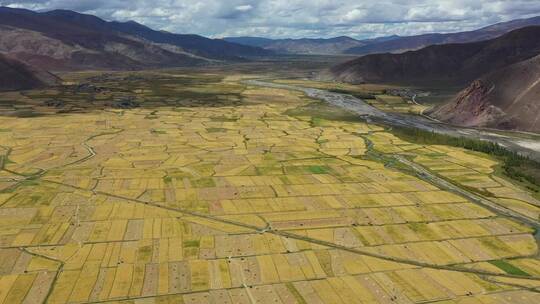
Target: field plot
<point>173,187</point>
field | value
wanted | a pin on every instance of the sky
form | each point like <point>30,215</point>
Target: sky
<point>299,18</point>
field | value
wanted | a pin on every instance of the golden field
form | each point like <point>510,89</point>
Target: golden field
<point>208,191</point>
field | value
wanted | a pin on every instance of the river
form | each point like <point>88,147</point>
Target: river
<point>522,145</point>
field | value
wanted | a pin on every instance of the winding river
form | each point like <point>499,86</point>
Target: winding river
<point>524,146</point>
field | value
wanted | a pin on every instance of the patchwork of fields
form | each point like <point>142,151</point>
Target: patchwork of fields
<point>212,191</point>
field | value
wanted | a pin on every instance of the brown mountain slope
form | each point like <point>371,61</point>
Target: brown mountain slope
<point>508,98</point>
<point>52,43</point>
<point>15,75</point>
<point>445,64</point>
<point>60,40</point>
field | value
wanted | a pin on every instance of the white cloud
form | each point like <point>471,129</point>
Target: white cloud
<point>244,8</point>
<point>300,18</point>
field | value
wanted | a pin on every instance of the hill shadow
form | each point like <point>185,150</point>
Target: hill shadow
<point>123,91</point>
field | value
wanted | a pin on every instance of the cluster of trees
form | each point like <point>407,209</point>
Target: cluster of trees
<point>514,165</point>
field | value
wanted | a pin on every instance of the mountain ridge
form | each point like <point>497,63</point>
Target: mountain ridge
<point>89,42</point>
<point>385,44</point>
<point>409,43</point>
<point>449,63</point>
<point>315,46</point>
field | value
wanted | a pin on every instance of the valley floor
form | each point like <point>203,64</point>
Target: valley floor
<point>200,187</point>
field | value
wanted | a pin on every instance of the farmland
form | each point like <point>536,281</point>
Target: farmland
<point>196,187</point>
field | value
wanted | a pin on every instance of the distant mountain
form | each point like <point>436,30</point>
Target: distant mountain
<point>195,44</point>
<point>507,98</point>
<point>63,39</point>
<point>403,44</point>
<point>380,39</point>
<point>251,41</point>
<point>331,46</point>
<point>444,64</point>
<point>15,75</point>
<point>390,44</point>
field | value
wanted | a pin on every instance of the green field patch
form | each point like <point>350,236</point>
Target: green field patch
<point>423,229</point>
<point>285,180</point>
<point>180,110</point>
<point>29,182</point>
<point>322,141</point>
<point>508,268</point>
<point>193,205</point>
<point>308,169</point>
<point>361,237</point>
<point>496,245</point>
<point>191,243</point>
<point>216,130</point>
<point>144,254</point>
<point>205,182</point>
<point>178,174</point>
<point>389,99</point>
<point>319,169</point>
<point>153,131</point>
<point>204,169</point>
<point>223,119</point>
<point>318,122</point>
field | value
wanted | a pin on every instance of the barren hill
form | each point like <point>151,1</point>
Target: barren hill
<point>508,98</point>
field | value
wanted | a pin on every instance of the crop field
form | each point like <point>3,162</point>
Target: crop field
<point>476,172</point>
<point>194,187</point>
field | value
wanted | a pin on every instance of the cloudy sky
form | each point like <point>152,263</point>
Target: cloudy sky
<point>299,18</point>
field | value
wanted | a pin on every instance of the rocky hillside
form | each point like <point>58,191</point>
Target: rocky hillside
<point>15,75</point>
<point>508,98</point>
<point>441,64</point>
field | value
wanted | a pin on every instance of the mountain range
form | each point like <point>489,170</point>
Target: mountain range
<point>390,44</point>
<point>501,78</point>
<point>65,40</point>
<point>455,64</point>
<point>403,44</point>
<point>331,46</point>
